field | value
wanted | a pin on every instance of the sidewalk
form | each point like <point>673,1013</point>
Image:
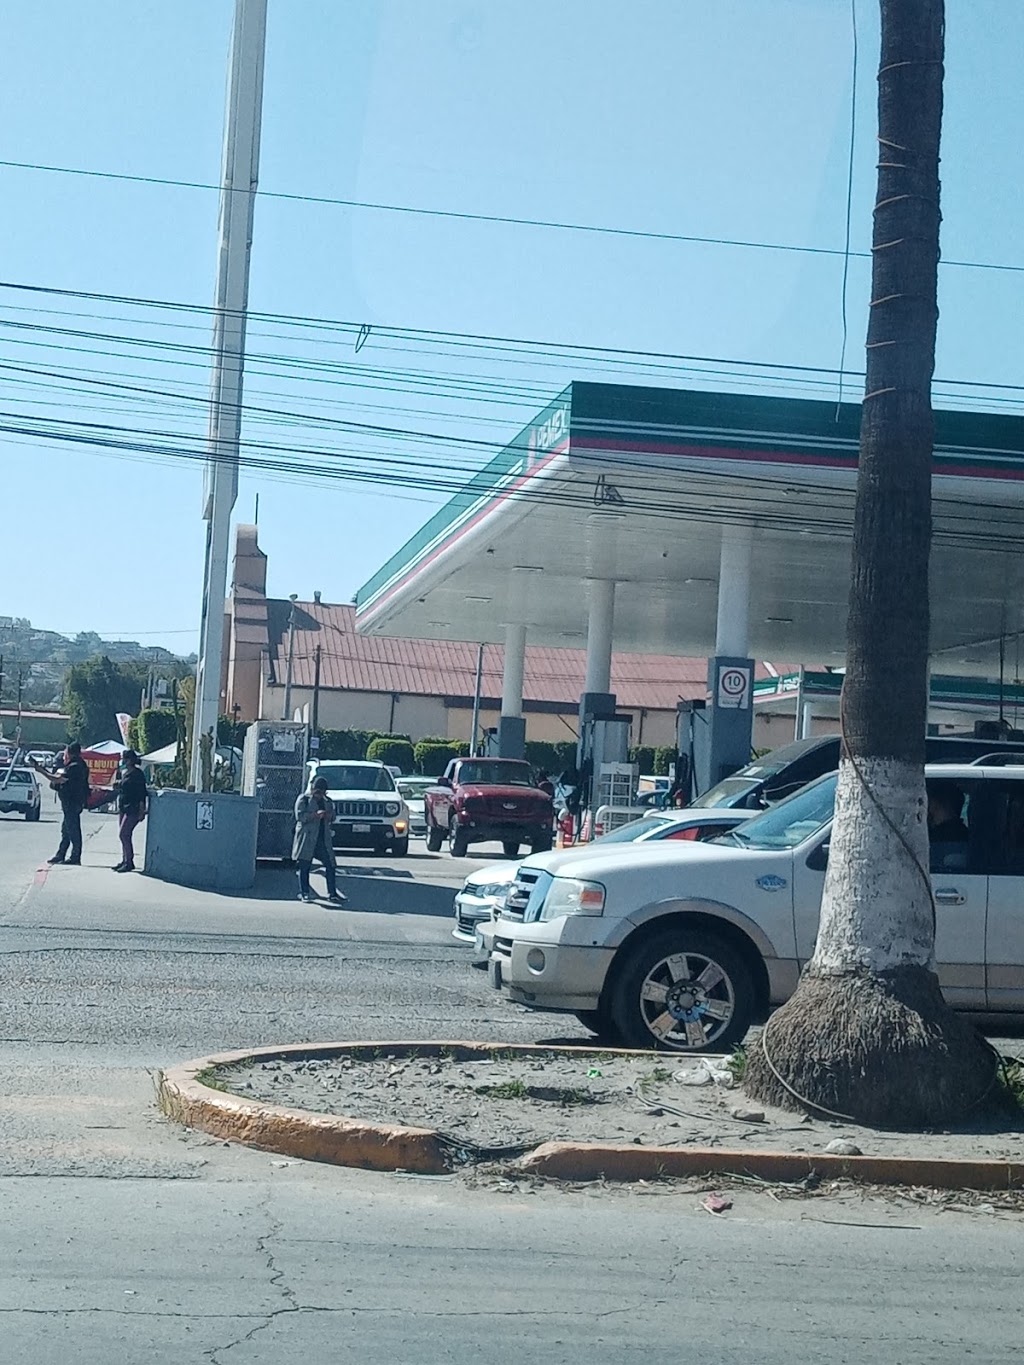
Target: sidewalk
<point>401,900</point>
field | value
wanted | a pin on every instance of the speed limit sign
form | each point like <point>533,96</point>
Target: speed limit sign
<point>734,687</point>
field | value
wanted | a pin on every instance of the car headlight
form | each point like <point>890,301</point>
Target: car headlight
<point>392,808</point>
<point>490,890</point>
<point>567,896</point>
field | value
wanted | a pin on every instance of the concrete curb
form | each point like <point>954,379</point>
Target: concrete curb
<point>393,1147</point>
<point>589,1161</point>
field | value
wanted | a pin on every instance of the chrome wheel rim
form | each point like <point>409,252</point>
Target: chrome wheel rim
<point>687,1001</point>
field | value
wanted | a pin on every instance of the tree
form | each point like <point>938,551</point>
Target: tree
<point>867,1033</point>
<point>94,693</point>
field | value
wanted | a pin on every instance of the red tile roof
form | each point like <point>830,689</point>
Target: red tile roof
<point>447,668</point>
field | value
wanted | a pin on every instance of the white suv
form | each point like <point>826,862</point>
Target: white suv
<point>368,810</point>
<point>19,792</point>
<point>683,946</point>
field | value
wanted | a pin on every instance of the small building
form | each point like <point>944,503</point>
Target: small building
<point>45,728</point>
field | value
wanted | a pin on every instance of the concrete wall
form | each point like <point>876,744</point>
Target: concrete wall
<point>219,858</point>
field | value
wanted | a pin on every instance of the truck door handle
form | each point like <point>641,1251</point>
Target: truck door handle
<point>949,895</point>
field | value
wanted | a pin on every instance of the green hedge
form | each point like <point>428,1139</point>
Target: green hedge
<point>551,757</point>
<point>394,751</point>
<point>645,756</point>
<point>152,730</point>
<point>662,758</point>
<point>345,743</point>
<point>433,755</point>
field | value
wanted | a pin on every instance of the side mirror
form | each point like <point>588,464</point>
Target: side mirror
<point>444,782</point>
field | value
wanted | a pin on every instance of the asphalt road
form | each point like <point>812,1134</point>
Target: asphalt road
<point>126,1238</point>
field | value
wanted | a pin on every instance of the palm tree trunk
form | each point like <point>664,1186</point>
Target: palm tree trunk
<point>867,1033</point>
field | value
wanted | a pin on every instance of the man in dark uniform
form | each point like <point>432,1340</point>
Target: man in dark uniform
<point>72,786</point>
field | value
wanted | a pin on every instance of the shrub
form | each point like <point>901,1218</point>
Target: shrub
<point>342,744</point>
<point>663,758</point>
<point>645,756</point>
<point>553,757</point>
<point>432,756</point>
<point>152,730</point>
<point>394,751</point>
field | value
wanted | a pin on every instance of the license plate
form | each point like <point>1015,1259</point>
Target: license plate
<point>360,829</point>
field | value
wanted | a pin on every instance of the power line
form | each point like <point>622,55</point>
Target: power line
<point>462,216</point>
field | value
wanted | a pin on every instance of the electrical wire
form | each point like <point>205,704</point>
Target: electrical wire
<point>464,216</point>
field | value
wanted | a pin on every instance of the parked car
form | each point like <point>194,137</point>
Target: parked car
<point>412,790</point>
<point>681,946</point>
<point>19,793</point>
<point>483,893</point>
<point>784,771</point>
<point>368,809</point>
<point>480,799</point>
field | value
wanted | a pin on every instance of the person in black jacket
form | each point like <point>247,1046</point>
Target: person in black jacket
<point>132,798</point>
<point>72,785</point>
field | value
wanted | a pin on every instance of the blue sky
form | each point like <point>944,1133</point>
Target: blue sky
<point>722,118</point>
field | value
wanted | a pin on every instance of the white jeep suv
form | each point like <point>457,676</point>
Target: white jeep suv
<point>368,810</point>
<point>683,946</point>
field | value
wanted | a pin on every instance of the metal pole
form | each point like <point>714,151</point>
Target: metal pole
<point>286,710</point>
<point>316,691</point>
<point>238,189</point>
<point>476,699</point>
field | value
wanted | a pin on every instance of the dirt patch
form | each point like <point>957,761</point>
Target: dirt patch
<point>507,1102</point>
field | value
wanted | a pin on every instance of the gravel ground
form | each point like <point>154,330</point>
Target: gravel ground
<point>517,1101</point>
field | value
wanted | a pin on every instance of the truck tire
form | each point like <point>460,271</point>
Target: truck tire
<point>597,1021</point>
<point>458,842</point>
<point>435,838</point>
<point>510,849</point>
<point>32,815</point>
<point>541,841</point>
<point>684,991</point>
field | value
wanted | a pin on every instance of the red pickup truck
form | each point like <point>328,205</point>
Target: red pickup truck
<point>479,799</point>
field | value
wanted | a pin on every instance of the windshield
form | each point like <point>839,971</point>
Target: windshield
<point>791,821</point>
<point>18,778</point>
<point>636,829</point>
<point>729,792</point>
<point>503,774</point>
<point>353,777</point>
<point>414,786</point>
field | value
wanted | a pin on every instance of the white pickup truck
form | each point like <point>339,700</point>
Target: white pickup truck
<point>19,793</point>
<point>683,946</point>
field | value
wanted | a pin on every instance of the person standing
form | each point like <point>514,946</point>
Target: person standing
<point>132,802</point>
<point>314,818</point>
<point>72,786</point>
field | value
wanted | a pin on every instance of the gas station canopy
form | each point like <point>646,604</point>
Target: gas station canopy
<point>634,486</point>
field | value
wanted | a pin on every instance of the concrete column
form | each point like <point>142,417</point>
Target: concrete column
<point>730,671</point>
<point>512,678</point>
<point>732,636</point>
<point>600,624</point>
<point>511,725</point>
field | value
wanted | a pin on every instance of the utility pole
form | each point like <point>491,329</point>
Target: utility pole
<point>286,710</point>
<point>316,691</point>
<point>239,177</point>
<point>476,700</point>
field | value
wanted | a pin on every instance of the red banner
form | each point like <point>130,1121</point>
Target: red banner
<point>102,768</point>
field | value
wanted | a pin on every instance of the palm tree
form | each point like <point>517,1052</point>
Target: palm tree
<point>867,1034</point>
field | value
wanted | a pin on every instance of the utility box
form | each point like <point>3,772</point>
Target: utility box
<point>274,775</point>
<point>202,839</point>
